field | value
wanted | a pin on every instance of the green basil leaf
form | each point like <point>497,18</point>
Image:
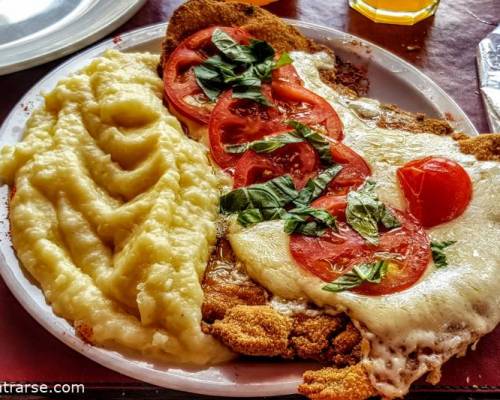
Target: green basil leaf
<point>210,90</point>
<point>367,272</point>
<point>209,80</point>
<point>317,185</point>
<point>388,219</point>
<point>272,195</point>
<point>205,73</point>
<point>224,69</point>
<point>320,143</point>
<point>312,228</point>
<point>270,214</point>
<point>249,217</point>
<point>438,254</point>
<point>365,211</point>
<point>218,73</point>
<point>284,59</point>
<point>261,50</point>
<point>266,145</point>
<point>267,201</point>
<point>309,221</point>
<point>247,78</point>
<point>251,93</point>
<point>231,49</point>
<point>264,69</point>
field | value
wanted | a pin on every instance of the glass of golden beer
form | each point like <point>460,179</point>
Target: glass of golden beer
<point>403,12</point>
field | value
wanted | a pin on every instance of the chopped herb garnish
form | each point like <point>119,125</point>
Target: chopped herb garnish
<point>284,59</point>
<point>320,142</point>
<point>364,213</point>
<point>250,217</point>
<point>316,186</point>
<point>242,68</point>
<point>300,133</point>
<point>271,195</point>
<point>309,221</point>
<point>268,201</point>
<point>438,254</point>
<point>368,272</point>
<point>266,145</point>
<point>232,50</point>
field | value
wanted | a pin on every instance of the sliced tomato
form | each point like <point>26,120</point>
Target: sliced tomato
<point>335,253</point>
<point>354,171</point>
<point>331,255</point>
<point>411,242</point>
<point>297,103</point>
<point>437,190</point>
<point>297,159</point>
<point>333,203</point>
<point>254,168</point>
<point>239,120</point>
<point>287,74</point>
<point>181,89</point>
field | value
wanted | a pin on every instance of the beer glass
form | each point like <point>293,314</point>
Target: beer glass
<point>403,12</point>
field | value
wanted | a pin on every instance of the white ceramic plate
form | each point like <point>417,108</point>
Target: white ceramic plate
<point>392,80</point>
<point>33,32</point>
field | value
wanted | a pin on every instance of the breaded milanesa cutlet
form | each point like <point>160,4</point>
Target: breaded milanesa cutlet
<point>238,312</point>
<point>350,383</point>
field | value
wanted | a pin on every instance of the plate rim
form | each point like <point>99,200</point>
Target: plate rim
<point>85,39</point>
<point>109,358</point>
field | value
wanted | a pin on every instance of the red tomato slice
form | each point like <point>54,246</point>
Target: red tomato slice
<point>354,171</point>
<point>437,190</point>
<point>336,253</point>
<point>239,120</point>
<point>333,203</point>
<point>412,243</point>
<point>297,159</point>
<point>254,168</point>
<point>181,89</point>
<point>297,103</point>
<point>287,74</point>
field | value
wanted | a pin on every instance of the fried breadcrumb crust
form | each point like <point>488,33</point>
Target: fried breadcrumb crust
<point>236,311</point>
<point>253,330</point>
<point>226,285</point>
<point>394,118</point>
<point>195,15</point>
<point>350,383</point>
<point>485,147</point>
<point>262,331</point>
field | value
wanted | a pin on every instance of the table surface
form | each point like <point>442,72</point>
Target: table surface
<point>443,47</point>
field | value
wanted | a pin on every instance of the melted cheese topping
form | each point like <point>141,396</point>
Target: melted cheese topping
<point>414,331</point>
<point>114,211</point>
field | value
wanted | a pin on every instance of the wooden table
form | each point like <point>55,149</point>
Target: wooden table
<point>443,47</point>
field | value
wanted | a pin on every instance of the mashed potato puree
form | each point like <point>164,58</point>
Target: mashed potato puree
<point>114,211</point>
